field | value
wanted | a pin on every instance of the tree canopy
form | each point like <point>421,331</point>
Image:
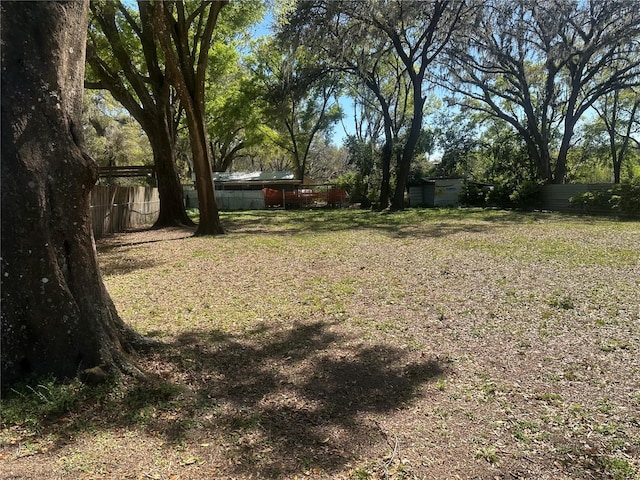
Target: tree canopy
<point>541,66</point>
<point>543,69</point>
<point>123,58</point>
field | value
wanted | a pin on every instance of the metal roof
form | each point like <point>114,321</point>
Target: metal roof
<point>258,177</point>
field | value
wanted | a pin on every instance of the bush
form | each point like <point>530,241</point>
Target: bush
<point>627,201</point>
<point>622,199</point>
<point>526,195</point>
<point>354,184</point>
<point>500,195</point>
<point>596,201</point>
<point>473,195</point>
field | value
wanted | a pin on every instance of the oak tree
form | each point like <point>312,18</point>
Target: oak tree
<point>619,111</point>
<point>57,317</point>
<point>414,32</point>
<point>184,31</point>
<point>299,98</point>
<point>537,66</point>
<point>233,117</point>
<point>124,58</point>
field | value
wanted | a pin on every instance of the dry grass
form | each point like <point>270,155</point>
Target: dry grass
<point>347,344</point>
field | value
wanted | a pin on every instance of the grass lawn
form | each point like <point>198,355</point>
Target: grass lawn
<point>348,344</point>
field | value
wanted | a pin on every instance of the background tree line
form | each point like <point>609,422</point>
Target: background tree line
<point>524,85</point>
<point>500,92</point>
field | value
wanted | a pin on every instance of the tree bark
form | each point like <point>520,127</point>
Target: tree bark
<point>57,317</point>
<point>385,185</point>
<point>397,203</point>
<point>188,77</point>
<point>147,98</point>
<point>387,148</point>
<point>162,140</point>
<point>209,223</point>
<point>560,171</point>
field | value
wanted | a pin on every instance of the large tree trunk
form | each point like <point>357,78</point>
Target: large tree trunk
<point>57,317</point>
<point>560,171</point>
<point>397,203</point>
<point>209,223</point>
<point>172,210</point>
<point>570,120</point>
<point>188,77</point>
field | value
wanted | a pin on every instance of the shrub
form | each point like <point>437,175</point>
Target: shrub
<point>627,201</point>
<point>354,184</point>
<point>526,195</point>
<point>500,195</point>
<point>592,202</point>
<point>357,188</point>
<point>622,199</point>
<point>473,195</point>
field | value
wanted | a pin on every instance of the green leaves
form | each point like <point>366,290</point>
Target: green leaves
<point>540,66</point>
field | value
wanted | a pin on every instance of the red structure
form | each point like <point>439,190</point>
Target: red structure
<point>320,196</point>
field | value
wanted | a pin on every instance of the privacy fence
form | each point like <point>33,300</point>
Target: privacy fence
<point>116,209</point>
<point>557,197</point>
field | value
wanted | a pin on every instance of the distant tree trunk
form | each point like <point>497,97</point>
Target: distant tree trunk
<point>385,186</point>
<point>172,210</point>
<point>187,72</point>
<point>387,148</point>
<point>146,95</point>
<point>57,317</point>
<point>539,160</point>
<point>560,171</point>
<point>397,203</point>
<point>387,152</point>
<point>570,121</point>
<point>609,113</point>
<point>209,219</point>
<point>162,140</point>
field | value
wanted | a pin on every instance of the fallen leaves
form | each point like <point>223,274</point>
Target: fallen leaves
<point>285,343</point>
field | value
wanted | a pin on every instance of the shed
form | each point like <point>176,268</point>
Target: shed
<point>277,180</point>
<point>244,190</point>
<point>436,192</point>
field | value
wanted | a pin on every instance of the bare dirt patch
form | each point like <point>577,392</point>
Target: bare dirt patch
<point>427,344</point>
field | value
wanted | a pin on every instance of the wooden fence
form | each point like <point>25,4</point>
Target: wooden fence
<point>116,209</point>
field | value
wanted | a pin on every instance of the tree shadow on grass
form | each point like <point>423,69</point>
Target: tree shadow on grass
<point>418,222</point>
<point>114,251</point>
<point>297,400</point>
<point>269,403</point>
<point>121,265</point>
<point>134,238</point>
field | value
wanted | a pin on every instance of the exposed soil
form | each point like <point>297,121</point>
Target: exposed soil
<point>353,345</point>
